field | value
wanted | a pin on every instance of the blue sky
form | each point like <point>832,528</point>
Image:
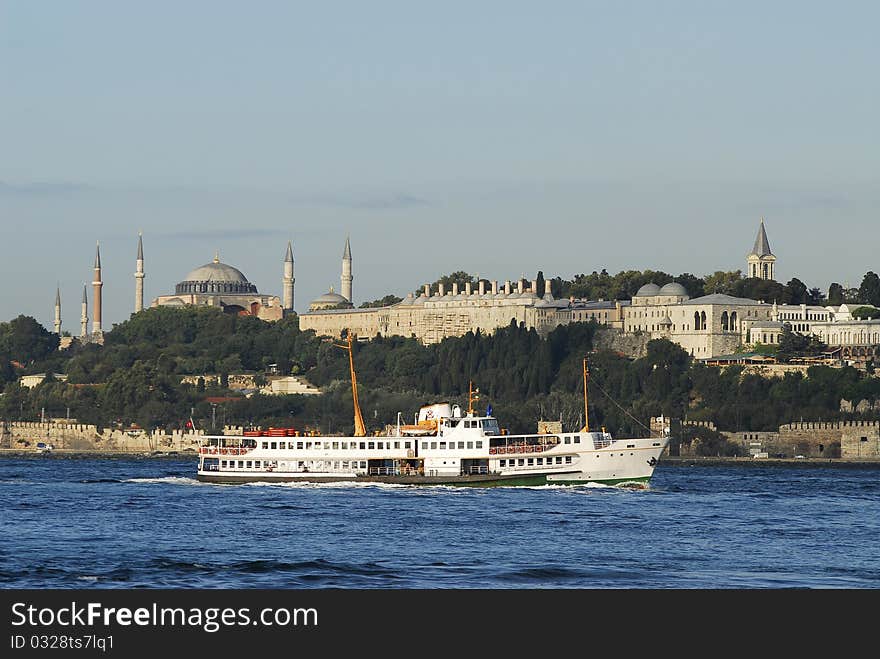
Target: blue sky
<point>500,138</point>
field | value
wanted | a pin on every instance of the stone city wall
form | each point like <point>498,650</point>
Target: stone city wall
<point>82,437</point>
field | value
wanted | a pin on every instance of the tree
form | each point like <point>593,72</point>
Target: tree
<point>835,294</point>
<point>386,301</point>
<point>722,282</point>
<point>866,313</point>
<point>25,340</point>
<point>869,291</point>
<point>795,292</point>
<point>792,344</point>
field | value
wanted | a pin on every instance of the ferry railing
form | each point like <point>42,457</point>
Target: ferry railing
<point>384,471</point>
<point>478,469</point>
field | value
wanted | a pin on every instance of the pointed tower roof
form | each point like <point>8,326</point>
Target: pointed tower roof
<point>347,253</point>
<point>140,256</point>
<point>97,255</point>
<point>288,258</point>
<point>762,245</point>
<point>58,296</point>
<point>85,299</point>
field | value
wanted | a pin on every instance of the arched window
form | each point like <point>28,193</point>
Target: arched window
<point>733,320</point>
<point>724,321</point>
<point>703,320</point>
<point>696,320</point>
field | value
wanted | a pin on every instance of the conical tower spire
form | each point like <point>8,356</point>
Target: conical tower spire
<point>287,281</point>
<point>97,284</point>
<point>761,262</point>
<point>58,309</point>
<point>346,277</point>
<point>84,317</point>
<point>762,245</point>
<point>139,276</point>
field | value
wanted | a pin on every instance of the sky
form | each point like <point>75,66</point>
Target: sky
<point>498,138</point>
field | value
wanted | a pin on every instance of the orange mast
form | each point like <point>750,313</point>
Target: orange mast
<point>473,394</point>
<point>359,429</point>
<point>586,407</point>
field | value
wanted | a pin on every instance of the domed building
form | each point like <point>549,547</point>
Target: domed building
<point>330,300</point>
<point>221,285</point>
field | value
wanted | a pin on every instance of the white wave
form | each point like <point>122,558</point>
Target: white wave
<point>176,480</point>
<point>87,577</point>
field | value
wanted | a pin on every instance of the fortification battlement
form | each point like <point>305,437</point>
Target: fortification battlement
<point>827,425</point>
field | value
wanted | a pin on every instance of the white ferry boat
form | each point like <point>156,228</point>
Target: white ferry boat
<point>445,446</point>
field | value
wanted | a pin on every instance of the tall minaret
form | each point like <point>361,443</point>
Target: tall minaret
<point>287,281</point>
<point>58,310</point>
<point>760,261</point>
<point>84,318</point>
<point>346,277</point>
<point>139,277</point>
<point>96,292</point>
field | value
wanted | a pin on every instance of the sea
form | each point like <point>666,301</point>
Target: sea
<point>74,522</point>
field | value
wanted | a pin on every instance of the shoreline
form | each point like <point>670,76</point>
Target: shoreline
<point>666,460</point>
<point>701,461</point>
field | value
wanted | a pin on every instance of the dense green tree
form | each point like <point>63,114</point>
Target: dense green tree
<point>386,301</point>
<point>24,340</point>
<point>865,312</point>
<point>795,292</point>
<point>869,291</point>
<point>835,294</point>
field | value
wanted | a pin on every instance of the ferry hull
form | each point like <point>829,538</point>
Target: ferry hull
<point>481,480</point>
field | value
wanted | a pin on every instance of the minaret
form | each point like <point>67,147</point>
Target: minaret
<point>287,281</point>
<point>96,292</point>
<point>761,262</point>
<point>58,311</point>
<point>139,277</point>
<point>84,318</point>
<point>346,271</point>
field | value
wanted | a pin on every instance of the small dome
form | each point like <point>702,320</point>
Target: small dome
<point>329,300</point>
<point>648,290</point>
<point>673,288</point>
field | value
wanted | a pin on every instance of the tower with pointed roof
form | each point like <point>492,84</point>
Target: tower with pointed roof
<point>139,277</point>
<point>761,262</point>
<point>97,284</point>
<point>84,317</point>
<point>346,277</point>
<point>287,281</point>
<point>58,310</point>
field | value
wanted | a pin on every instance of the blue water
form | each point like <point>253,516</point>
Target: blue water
<point>126,523</point>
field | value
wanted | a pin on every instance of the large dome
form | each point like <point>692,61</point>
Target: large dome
<point>648,290</point>
<point>216,277</point>
<point>673,288</point>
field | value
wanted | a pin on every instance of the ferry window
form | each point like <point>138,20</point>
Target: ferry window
<point>424,446</point>
<point>531,462</point>
<point>265,444</point>
<point>559,460</point>
<point>345,464</point>
<point>335,445</point>
<point>363,464</point>
<point>461,445</point>
<point>372,445</point>
<point>443,445</point>
<point>540,461</point>
<point>249,464</point>
<point>299,445</point>
<point>521,462</point>
<point>406,445</point>
<point>502,463</point>
<point>577,439</point>
<point>396,444</point>
<point>479,444</point>
<point>568,440</point>
<point>274,445</point>
<point>258,464</point>
<point>282,445</point>
<point>470,444</point>
<point>433,445</point>
<point>363,445</point>
<point>223,464</point>
<point>568,459</point>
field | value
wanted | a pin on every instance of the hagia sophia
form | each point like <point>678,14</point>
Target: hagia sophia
<point>707,327</point>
